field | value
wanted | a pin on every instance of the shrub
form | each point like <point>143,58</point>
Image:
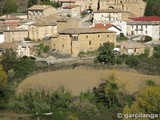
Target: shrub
<point>132,61</point>
<point>106,54</point>
<point>121,37</point>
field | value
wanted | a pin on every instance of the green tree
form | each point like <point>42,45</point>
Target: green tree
<point>3,86</point>
<point>106,54</point>
<point>147,101</point>
<point>25,66</point>
<point>10,6</point>
<point>32,2</point>
<point>9,59</point>
<point>109,93</point>
<point>132,61</point>
<point>152,8</point>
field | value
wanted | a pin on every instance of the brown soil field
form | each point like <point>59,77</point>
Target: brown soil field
<point>81,79</point>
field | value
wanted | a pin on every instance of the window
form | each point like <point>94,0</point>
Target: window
<point>86,36</point>
<point>107,35</point>
<point>90,42</point>
<point>135,50</point>
<point>98,36</point>
<point>75,38</point>
<point>63,46</point>
<point>146,32</point>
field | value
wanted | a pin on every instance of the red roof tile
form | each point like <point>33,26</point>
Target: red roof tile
<point>102,26</point>
<point>70,7</point>
<point>146,18</point>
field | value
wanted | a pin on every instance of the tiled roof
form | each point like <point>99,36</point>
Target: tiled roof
<point>102,26</point>
<point>45,22</point>
<point>10,23</point>
<point>84,31</point>
<point>39,7</point>
<point>132,44</point>
<point>70,7</point>
<point>146,18</point>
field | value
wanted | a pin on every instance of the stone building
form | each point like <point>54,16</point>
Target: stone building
<point>14,34</point>
<point>40,11</point>
<point>134,6</point>
<point>75,40</point>
<point>42,28</point>
<point>135,48</point>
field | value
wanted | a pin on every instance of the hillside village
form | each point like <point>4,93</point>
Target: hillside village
<point>80,26</point>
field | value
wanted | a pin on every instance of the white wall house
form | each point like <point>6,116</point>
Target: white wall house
<point>23,49</point>
<point>143,28</point>
<point>102,16</point>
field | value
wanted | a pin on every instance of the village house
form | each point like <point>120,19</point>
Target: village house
<point>42,28</point>
<point>70,11</point>
<point>135,48</point>
<point>75,40</point>
<point>151,29</point>
<point>110,15</point>
<point>22,48</point>
<point>14,34</point>
<point>40,11</point>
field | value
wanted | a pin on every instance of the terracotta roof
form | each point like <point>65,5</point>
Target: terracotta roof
<point>9,17</point>
<point>70,7</point>
<point>132,44</point>
<point>102,26</point>
<point>111,11</point>
<point>39,7</point>
<point>146,18</point>
<point>10,23</point>
<point>84,31</point>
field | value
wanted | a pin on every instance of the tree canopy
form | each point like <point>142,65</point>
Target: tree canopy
<point>106,54</point>
<point>152,8</point>
<point>10,6</point>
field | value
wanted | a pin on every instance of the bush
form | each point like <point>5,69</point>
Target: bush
<point>132,61</point>
<point>106,54</point>
<point>121,37</point>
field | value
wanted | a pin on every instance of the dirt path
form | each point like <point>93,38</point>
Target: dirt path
<point>81,79</point>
